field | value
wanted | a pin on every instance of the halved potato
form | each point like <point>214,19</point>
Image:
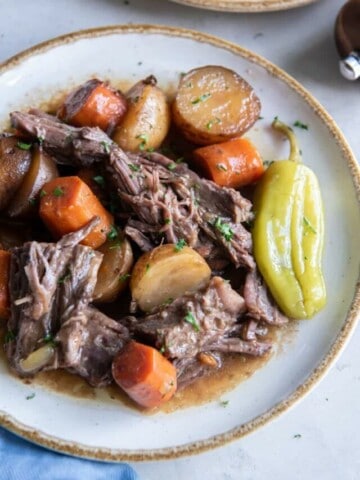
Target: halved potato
<point>165,273</point>
<point>14,163</point>
<point>42,170</point>
<point>214,104</point>
<point>147,120</point>
<point>114,270</point>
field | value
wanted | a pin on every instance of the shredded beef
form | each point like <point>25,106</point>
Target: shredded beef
<point>166,201</point>
<point>51,286</point>
<point>205,321</point>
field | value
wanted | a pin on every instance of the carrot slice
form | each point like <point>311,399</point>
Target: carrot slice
<point>94,104</point>
<point>230,164</point>
<point>145,375</point>
<point>4,284</point>
<point>68,204</point>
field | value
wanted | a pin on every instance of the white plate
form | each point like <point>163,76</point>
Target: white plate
<point>105,429</point>
<point>245,5</point>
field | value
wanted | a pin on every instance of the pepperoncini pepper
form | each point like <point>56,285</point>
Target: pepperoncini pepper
<point>288,233</point>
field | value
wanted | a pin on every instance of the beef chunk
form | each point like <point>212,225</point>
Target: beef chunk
<point>259,302</point>
<point>164,201</point>
<point>202,322</point>
<point>88,341</point>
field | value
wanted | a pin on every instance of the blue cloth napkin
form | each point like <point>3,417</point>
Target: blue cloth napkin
<point>21,460</point>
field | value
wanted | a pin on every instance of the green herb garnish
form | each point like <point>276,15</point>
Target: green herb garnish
<point>171,166</point>
<point>189,318</point>
<point>42,193</point>
<point>124,277</point>
<point>106,146</point>
<point>64,277</point>
<point>297,435</point>
<point>212,122</point>
<point>133,167</point>
<point>24,146</point>
<point>58,192</point>
<point>30,397</point>
<point>167,221</point>
<point>113,233</point>
<point>144,140</point>
<point>224,229</point>
<point>224,403</point>
<point>221,167</point>
<point>179,245</point>
<point>300,125</point>
<point>100,180</point>
<point>202,98</point>
<point>308,225</point>
<point>9,336</point>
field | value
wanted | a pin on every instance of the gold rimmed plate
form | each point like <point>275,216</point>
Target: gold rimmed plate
<point>104,428</point>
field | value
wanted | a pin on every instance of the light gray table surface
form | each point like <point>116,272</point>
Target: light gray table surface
<point>301,42</point>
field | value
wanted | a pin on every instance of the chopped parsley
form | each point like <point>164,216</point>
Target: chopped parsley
<point>49,339</point>
<point>179,160</point>
<point>171,166</point>
<point>224,403</point>
<point>58,192</point>
<point>144,140</point>
<point>297,435</point>
<point>64,277</point>
<point>167,221</point>
<point>150,150</point>
<point>41,139</point>
<point>124,277</point>
<point>147,268</point>
<point>162,350</point>
<point>42,193</point>
<point>106,146</point>
<point>179,245</point>
<point>100,180</point>
<point>30,397</point>
<point>301,125</point>
<point>189,318</point>
<point>308,225</point>
<point>212,122</point>
<point>113,233</point>
<point>202,98</point>
<point>24,146</point>
<point>267,163</point>
<point>116,245</point>
<point>224,229</point>
<point>167,302</point>
<point>133,167</point>
<point>9,336</point>
<point>221,167</point>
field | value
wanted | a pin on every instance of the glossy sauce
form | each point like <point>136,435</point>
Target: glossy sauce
<point>236,368</point>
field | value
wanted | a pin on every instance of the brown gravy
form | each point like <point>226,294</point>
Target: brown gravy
<point>236,369</point>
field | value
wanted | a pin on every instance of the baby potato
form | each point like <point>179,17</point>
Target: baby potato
<point>147,120</point>
<point>114,270</point>
<point>166,273</point>
<point>214,104</point>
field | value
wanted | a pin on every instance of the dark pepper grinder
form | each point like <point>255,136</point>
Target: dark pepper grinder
<point>347,37</point>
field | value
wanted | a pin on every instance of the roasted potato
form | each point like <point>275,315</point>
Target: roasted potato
<point>166,273</point>
<point>42,170</point>
<point>14,163</point>
<point>114,270</point>
<point>147,120</point>
<point>214,104</point>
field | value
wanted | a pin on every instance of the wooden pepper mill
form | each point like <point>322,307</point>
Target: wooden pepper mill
<point>347,37</point>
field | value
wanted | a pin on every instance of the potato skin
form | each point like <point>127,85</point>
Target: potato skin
<point>214,104</point>
<point>14,163</point>
<point>147,120</point>
<point>42,170</point>
<point>114,270</point>
<point>165,273</point>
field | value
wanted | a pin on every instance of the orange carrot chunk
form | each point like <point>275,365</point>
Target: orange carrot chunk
<point>68,204</point>
<point>230,164</point>
<point>4,284</point>
<point>94,104</point>
<point>145,375</point>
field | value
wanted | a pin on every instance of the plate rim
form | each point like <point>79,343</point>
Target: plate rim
<point>245,5</point>
<point>192,448</point>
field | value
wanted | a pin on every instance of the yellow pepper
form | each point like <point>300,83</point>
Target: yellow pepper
<point>288,233</point>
